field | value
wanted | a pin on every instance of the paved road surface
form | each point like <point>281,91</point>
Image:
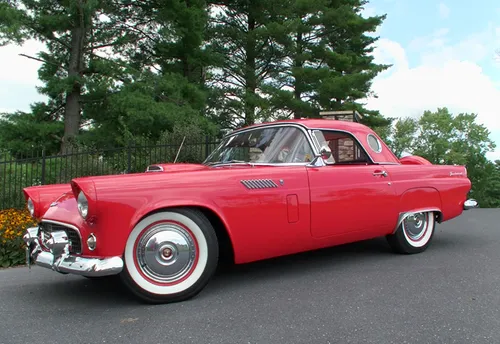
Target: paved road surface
<point>359,293</point>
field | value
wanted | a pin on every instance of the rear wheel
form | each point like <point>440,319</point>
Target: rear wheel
<point>414,234</point>
<point>170,256</point>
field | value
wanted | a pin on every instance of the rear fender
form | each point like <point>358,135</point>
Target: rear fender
<point>419,200</point>
<point>414,160</point>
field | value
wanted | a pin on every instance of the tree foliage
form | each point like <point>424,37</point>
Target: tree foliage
<point>116,69</point>
<point>444,138</point>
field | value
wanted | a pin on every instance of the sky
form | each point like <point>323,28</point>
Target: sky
<point>443,55</point>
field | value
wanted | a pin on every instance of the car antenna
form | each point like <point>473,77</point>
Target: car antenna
<point>179,150</point>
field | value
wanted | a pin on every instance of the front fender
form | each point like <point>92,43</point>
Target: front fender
<point>147,209</point>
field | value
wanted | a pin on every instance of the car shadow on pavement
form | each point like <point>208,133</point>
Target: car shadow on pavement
<point>294,266</point>
<point>80,291</point>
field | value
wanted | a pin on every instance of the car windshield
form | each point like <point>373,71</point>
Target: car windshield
<point>271,145</point>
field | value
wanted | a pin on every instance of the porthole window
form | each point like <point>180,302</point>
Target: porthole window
<point>374,143</point>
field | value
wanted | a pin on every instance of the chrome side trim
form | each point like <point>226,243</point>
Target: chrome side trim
<point>470,204</point>
<point>404,215</point>
<point>259,184</point>
<point>58,258</point>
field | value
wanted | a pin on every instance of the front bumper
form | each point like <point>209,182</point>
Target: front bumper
<point>54,254</point>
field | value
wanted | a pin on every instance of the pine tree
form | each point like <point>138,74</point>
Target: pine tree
<point>167,86</point>
<point>241,34</point>
<point>327,58</point>
<point>346,61</point>
<point>77,34</point>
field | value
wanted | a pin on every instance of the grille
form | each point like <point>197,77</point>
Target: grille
<point>75,243</point>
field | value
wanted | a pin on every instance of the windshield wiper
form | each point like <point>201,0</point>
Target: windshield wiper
<point>229,162</point>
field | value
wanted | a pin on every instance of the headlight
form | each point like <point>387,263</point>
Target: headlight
<point>31,207</point>
<point>83,205</point>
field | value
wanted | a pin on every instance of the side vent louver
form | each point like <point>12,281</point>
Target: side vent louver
<point>259,184</point>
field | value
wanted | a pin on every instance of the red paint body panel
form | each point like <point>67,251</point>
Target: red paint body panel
<point>414,160</point>
<point>449,182</point>
<point>43,195</point>
<point>292,202</point>
<point>347,199</point>
<point>309,207</point>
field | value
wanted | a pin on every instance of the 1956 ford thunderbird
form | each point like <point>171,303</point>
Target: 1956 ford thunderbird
<point>267,190</point>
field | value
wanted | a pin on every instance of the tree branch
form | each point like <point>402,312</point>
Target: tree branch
<point>39,59</point>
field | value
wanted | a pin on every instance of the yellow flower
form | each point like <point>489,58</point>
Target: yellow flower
<point>13,222</point>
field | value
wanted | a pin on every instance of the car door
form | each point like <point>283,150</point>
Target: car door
<point>350,194</point>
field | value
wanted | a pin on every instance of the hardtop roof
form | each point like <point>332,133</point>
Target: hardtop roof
<point>316,123</point>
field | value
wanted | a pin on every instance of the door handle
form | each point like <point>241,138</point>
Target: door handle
<point>380,173</point>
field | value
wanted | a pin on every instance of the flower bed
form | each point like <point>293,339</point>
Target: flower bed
<point>13,223</point>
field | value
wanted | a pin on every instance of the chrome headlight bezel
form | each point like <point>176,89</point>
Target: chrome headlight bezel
<point>83,205</point>
<point>31,207</point>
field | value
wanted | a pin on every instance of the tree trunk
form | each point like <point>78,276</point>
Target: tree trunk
<point>250,72</point>
<point>298,64</point>
<point>72,111</point>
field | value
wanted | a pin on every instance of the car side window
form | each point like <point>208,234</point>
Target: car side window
<point>345,148</point>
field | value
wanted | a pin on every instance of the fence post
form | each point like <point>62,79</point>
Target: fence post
<point>207,150</point>
<point>43,167</point>
<point>129,156</point>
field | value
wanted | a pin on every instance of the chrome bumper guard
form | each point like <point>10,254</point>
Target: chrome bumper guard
<point>470,204</point>
<point>56,256</point>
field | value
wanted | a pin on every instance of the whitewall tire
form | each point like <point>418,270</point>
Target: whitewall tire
<point>414,234</point>
<point>170,256</point>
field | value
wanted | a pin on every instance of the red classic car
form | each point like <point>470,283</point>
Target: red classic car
<point>267,190</point>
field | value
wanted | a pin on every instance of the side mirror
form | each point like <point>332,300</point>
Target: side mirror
<point>320,159</point>
<point>325,152</point>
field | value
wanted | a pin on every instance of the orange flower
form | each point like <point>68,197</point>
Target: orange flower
<point>13,223</point>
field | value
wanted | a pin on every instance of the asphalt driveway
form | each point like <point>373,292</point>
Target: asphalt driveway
<point>358,293</point>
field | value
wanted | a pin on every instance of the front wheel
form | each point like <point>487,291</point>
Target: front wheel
<point>414,234</point>
<point>170,256</point>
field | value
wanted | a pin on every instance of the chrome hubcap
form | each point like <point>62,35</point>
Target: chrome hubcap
<point>166,253</point>
<point>415,225</point>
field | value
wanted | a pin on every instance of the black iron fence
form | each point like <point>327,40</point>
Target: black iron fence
<point>41,169</point>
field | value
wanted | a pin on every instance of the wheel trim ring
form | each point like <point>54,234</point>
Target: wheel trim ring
<point>420,236</point>
<point>186,275</point>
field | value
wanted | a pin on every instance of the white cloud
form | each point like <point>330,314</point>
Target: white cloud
<point>436,48</point>
<point>19,76</point>
<point>493,156</point>
<point>368,11</point>
<point>446,77</point>
<point>444,11</point>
